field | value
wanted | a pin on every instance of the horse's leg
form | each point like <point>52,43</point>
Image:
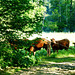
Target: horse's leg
<point>47,51</point>
<point>54,50</point>
<point>48,48</point>
<point>57,50</point>
<point>31,49</point>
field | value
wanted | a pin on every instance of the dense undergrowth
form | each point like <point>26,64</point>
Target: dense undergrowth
<point>19,57</point>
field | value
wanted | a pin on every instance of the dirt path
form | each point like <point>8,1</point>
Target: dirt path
<point>50,68</point>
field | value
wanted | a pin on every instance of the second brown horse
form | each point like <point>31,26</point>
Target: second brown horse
<point>60,44</point>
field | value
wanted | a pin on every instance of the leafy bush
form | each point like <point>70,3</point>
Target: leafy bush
<point>18,58</point>
<point>23,59</point>
<point>40,53</point>
<point>5,54</point>
<point>12,57</point>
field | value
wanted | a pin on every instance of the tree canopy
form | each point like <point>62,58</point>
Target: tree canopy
<point>20,15</point>
<point>27,16</point>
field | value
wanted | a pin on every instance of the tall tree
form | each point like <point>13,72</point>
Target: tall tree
<point>70,15</point>
<point>61,15</point>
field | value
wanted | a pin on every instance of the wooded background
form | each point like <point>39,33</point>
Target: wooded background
<point>60,15</point>
<point>35,16</point>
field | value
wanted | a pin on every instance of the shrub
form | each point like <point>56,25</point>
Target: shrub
<point>23,59</point>
<point>40,53</point>
<point>11,57</point>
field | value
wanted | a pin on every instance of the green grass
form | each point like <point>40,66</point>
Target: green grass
<point>64,59</point>
<point>64,53</point>
<point>61,56</point>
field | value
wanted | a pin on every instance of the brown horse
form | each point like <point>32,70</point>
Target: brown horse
<point>59,45</point>
<point>40,43</point>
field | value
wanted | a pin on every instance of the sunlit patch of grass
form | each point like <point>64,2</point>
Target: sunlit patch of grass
<point>64,53</point>
<point>57,60</point>
<point>61,56</point>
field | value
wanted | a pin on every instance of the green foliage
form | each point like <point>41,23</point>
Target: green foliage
<point>23,59</point>
<point>60,13</point>
<point>20,58</point>
<point>5,54</point>
<point>50,26</point>
<point>20,15</point>
<point>40,53</point>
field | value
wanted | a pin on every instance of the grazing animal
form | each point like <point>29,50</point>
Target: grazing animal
<point>59,45</point>
<point>40,43</point>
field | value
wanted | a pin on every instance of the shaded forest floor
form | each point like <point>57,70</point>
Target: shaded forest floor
<point>51,66</point>
<point>47,66</point>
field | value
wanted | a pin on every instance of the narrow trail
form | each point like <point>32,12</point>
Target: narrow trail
<point>50,68</point>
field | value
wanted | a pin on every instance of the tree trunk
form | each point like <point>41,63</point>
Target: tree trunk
<point>66,15</point>
<point>70,16</point>
<point>43,15</point>
<point>60,10</point>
